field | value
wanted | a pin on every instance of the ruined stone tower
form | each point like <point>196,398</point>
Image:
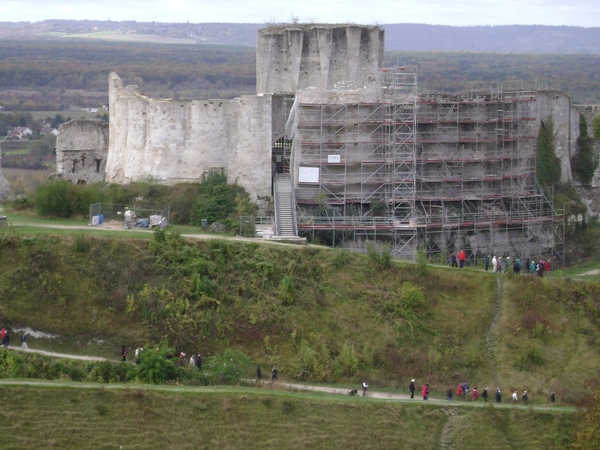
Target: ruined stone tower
<point>293,57</point>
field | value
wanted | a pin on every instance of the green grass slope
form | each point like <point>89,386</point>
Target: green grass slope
<point>320,315</point>
<point>92,417</point>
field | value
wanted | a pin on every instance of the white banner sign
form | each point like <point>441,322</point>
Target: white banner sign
<point>308,175</point>
<point>333,158</point>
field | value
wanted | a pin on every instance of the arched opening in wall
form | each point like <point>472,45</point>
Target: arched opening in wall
<point>80,181</point>
<point>97,161</point>
<point>280,155</point>
<point>74,168</point>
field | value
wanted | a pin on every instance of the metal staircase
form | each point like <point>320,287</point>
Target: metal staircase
<point>285,206</point>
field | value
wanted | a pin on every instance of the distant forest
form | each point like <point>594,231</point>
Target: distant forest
<point>398,36</point>
<point>43,74</point>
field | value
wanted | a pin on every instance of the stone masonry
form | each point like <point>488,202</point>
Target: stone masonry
<point>82,150</point>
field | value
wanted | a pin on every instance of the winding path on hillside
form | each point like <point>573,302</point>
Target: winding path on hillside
<point>266,387</point>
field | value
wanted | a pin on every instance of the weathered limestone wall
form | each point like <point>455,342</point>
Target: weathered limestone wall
<point>4,186</point>
<point>179,140</point>
<point>82,150</point>
<point>295,57</point>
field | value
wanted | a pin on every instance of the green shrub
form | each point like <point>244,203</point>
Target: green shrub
<point>287,290</point>
<point>155,367</point>
<point>218,201</point>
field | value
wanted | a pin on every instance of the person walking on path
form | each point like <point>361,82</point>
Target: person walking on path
<point>425,391</point>
<point>487,262</point>
<point>484,394</point>
<point>515,397</point>
<point>494,264</point>
<point>365,387</point>
<point>24,342</point>
<point>6,338</point>
<point>411,388</point>
<point>274,374</point>
<point>462,257</point>
<point>475,394</point>
<point>258,373</point>
<point>449,393</point>
<point>498,396</point>
<point>525,397</point>
<point>453,260</point>
<point>124,353</point>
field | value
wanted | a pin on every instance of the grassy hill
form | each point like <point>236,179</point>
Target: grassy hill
<point>320,315</point>
<point>323,316</point>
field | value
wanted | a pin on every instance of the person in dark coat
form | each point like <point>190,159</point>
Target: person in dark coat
<point>553,397</point>
<point>484,394</point>
<point>411,388</point>
<point>525,397</point>
<point>498,395</point>
<point>258,373</point>
<point>124,353</point>
<point>487,262</point>
<point>449,393</point>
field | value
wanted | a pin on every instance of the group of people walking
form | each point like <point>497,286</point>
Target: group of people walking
<point>500,264</point>
<point>463,392</point>
<point>503,265</point>
<point>5,336</point>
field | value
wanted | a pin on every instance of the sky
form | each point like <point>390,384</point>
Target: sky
<point>584,13</point>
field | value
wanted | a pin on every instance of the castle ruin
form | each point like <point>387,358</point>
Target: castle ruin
<point>355,151</point>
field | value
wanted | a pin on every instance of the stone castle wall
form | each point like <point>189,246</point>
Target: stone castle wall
<point>4,186</point>
<point>179,140</point>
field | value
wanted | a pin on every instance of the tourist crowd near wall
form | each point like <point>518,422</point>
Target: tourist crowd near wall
<point>369,155</point>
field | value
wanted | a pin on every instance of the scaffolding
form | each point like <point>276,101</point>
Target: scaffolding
<point>436,171</point>
<point>363,153</point>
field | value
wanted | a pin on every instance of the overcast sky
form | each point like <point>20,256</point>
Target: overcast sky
<point>585,13</point>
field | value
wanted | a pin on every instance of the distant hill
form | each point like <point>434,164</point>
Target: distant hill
<point>399,37</point>
<point>502,39</point>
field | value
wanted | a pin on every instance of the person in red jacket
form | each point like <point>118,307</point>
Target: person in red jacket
<point>462,257</point>
<point>425,392</point>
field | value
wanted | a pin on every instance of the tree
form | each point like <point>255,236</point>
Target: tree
<point>583,127</point>
<point>585,162</point>
<point>596,127</point>
<point>547,164</point>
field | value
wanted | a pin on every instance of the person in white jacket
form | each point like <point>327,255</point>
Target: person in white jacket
<point>494,264</point>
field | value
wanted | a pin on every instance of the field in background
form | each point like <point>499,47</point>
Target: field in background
<point>131,37</point>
